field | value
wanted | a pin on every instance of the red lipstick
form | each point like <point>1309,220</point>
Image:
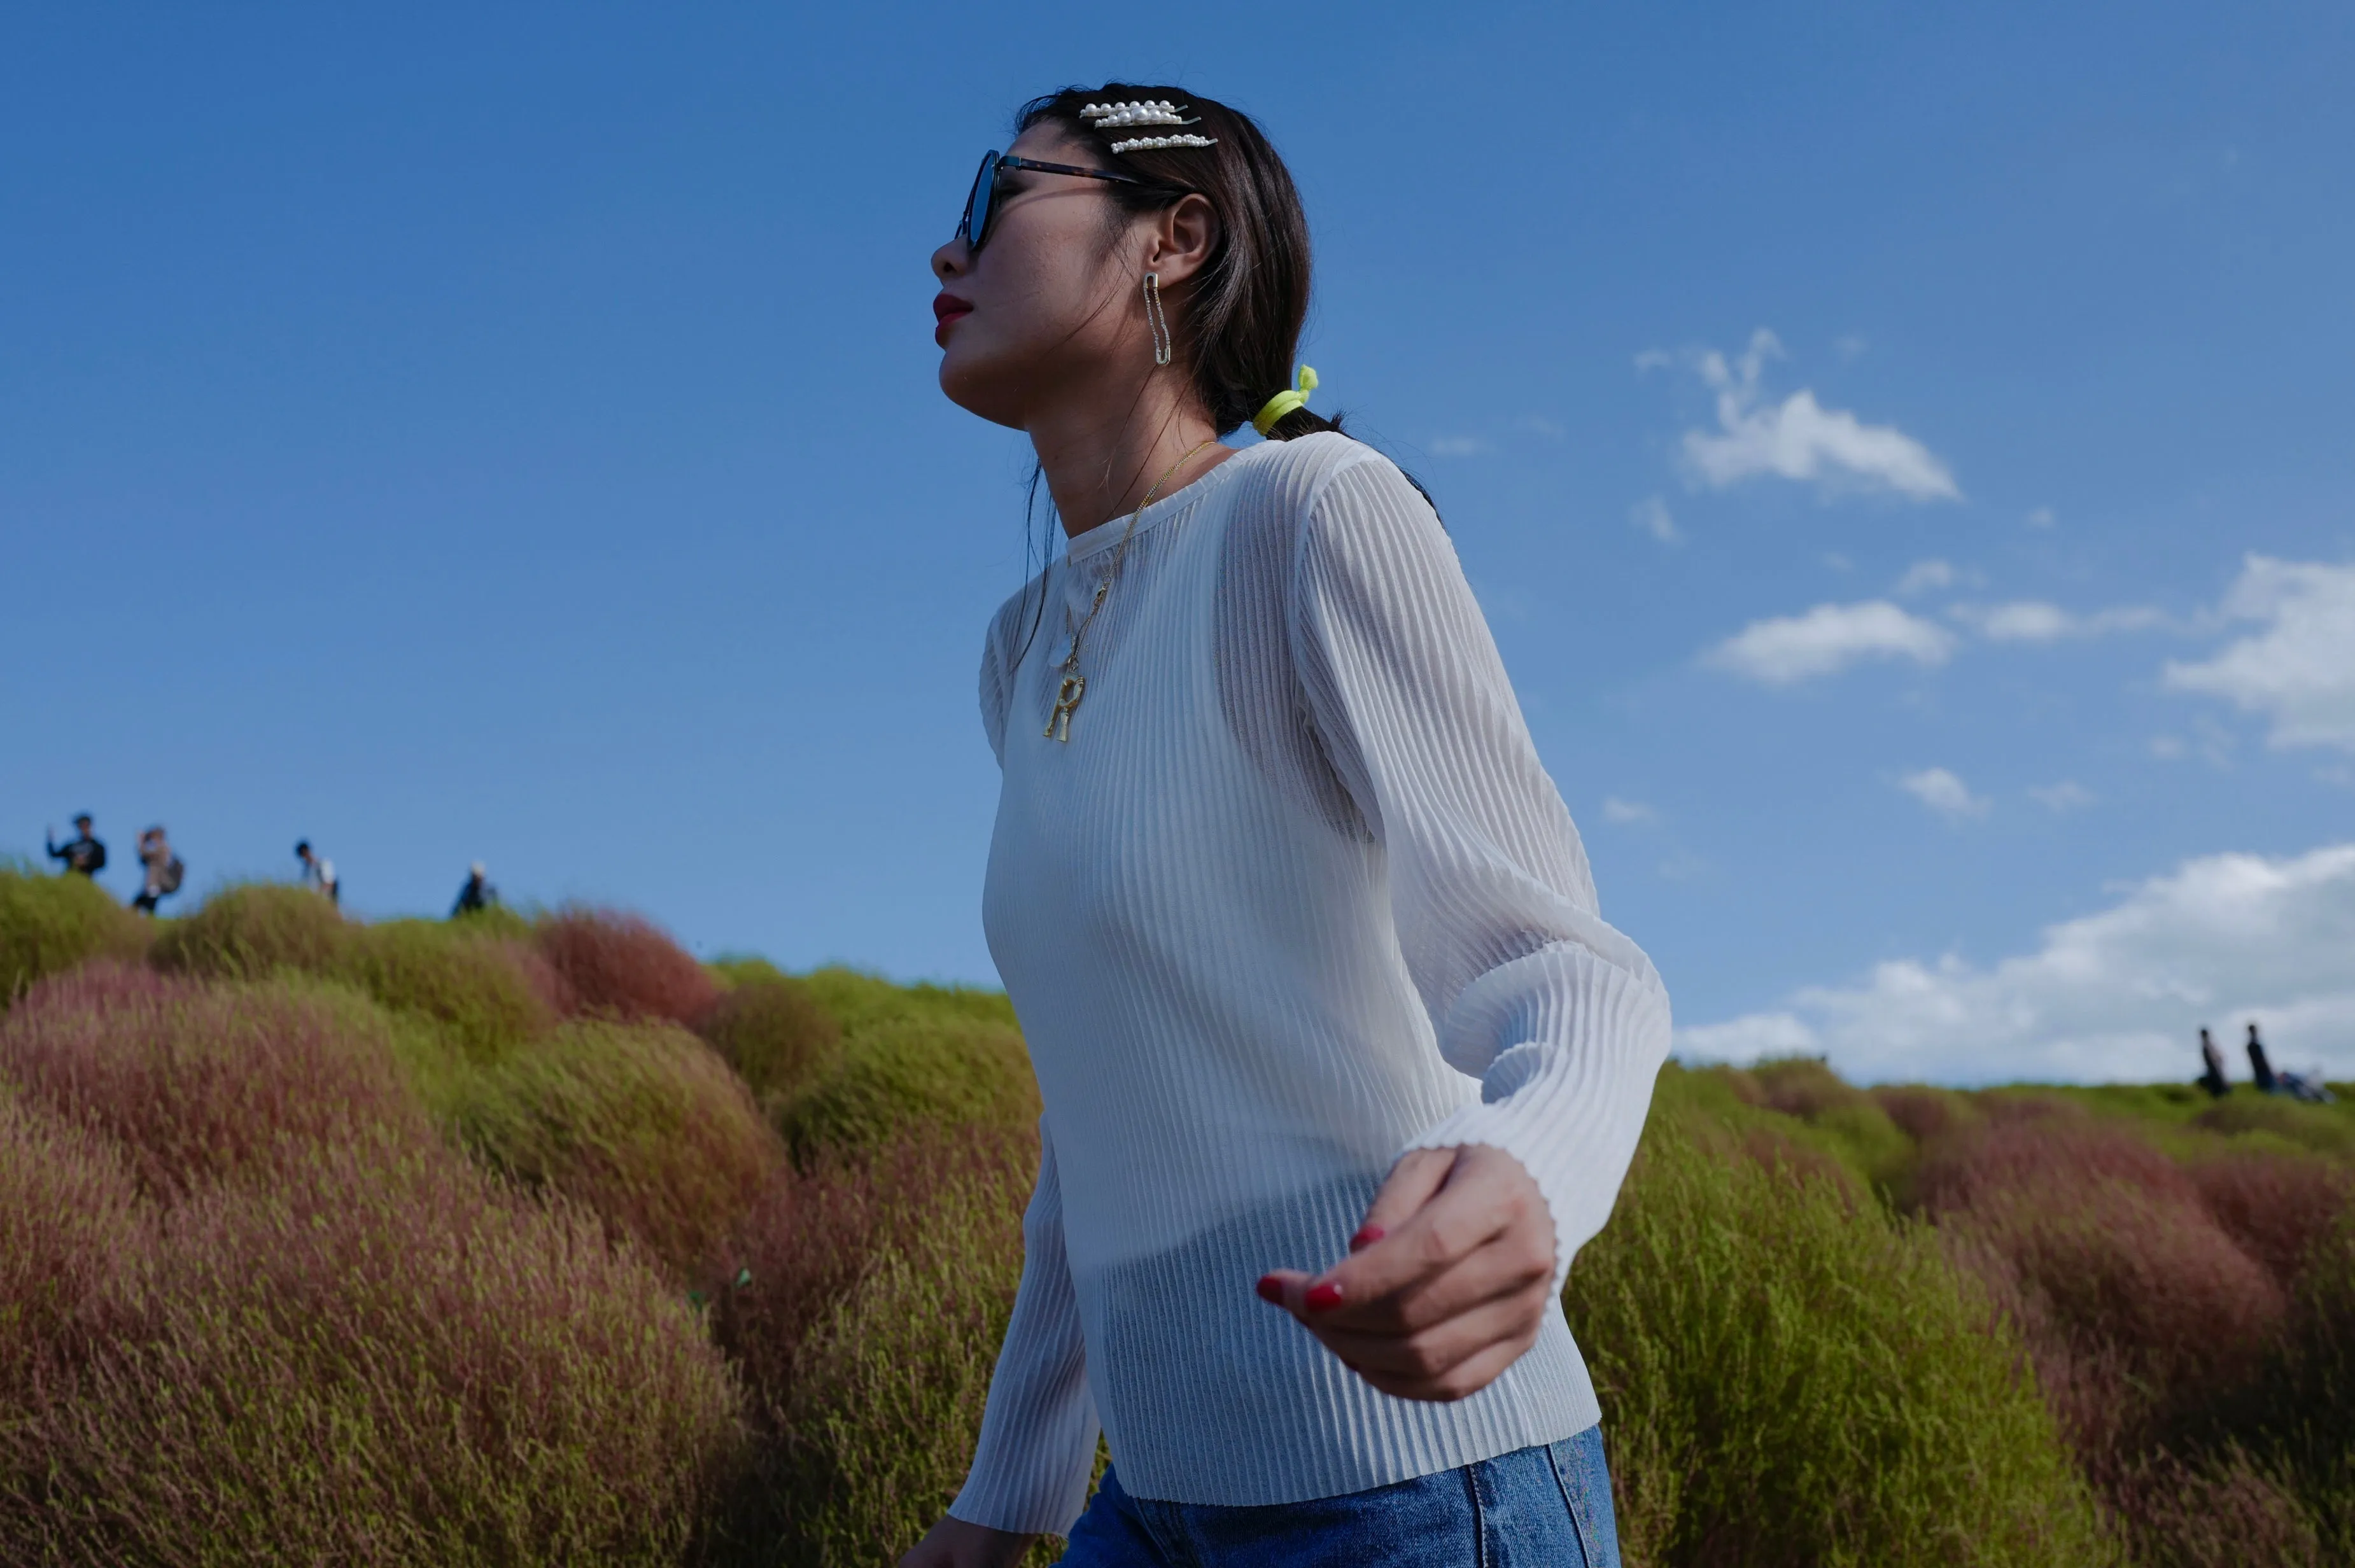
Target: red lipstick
<point>947,308</point>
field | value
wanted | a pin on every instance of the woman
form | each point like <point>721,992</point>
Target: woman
<point>1340,1064</point>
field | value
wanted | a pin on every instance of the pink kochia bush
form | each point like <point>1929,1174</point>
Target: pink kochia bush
<point>2278,1207</point>
<point>2134,1302</point>
<point>376,1357</point>
<point>196,1081</point>
<point>71,1221</point>
<point>640,1123</point>
<point>625,965</point>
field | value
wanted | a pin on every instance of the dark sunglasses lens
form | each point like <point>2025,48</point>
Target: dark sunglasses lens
<point>978,202</point>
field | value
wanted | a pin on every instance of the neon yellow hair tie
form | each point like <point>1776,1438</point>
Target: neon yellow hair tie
<point>1284,403</point>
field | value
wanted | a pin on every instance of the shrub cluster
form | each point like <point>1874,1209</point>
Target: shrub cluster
<point>322,1241</point>
<point>197,1082</point>
<point>865,1301</point>
<point>376,1357</point>
<point>1789,1375</point>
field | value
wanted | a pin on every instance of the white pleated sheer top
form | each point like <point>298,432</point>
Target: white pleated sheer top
<point>1296,897</point>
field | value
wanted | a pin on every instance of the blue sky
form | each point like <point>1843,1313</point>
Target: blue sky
<point>1907,455</point>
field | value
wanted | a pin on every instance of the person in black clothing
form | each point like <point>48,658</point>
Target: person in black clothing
<point>477,894</point>
<point>2212,1079</point>
<point>2259,1068</point>
<point>80,853</point>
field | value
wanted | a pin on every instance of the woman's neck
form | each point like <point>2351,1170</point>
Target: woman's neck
<point>1102,453</point>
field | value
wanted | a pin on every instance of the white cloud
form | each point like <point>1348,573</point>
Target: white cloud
<point>2034,621</point>
<point>1748,1037</point>
<point>1944,794</point>
<point>1651,515</point>
<point>2299,670</point>
<point>1460,446</point>
<point>1798,438</point>
<point>1617,810</point>
<point>2118,995</point>
<point>1792,648</point>
<point>2041,517</point>
<point>2066,796</point>
<point>1850,345</point>
<point>1925,574</point>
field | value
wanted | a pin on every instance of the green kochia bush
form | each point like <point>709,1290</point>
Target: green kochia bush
<point>639,1122</point>
<point>377,1357</point>
<point>251,931</point>
<point>49,924</point>
<point>2320,1128</point>
<point>1789,1375</point>
<point>769,1029</point>
<point>481,993</point>
<point>910,1057</point>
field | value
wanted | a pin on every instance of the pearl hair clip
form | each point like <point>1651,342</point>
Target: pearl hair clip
<point>1148,111</point>
<point>1154,143</point>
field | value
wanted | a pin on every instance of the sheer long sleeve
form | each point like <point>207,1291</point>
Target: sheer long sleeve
<point>1038,1444</point>
<point>1562,1020</point>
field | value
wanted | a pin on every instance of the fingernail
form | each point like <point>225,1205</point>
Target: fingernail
<point>1324,1297</point>
<point>1269,1288</point>
<point>1367,1236</point>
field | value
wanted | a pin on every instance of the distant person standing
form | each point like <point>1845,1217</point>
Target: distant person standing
<point>82,854</point>
<point>476,895</point>
<point>2212,1079</point>
<point>318,871</point>
<point>164,871</point>
<point>2259,1068</point>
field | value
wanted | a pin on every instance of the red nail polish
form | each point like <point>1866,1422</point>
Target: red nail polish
<point>1269,1288</point>
<point>1324,1297</point>
<point>1367,1237</point>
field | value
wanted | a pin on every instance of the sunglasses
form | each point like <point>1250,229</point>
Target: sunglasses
<point>981,204</point>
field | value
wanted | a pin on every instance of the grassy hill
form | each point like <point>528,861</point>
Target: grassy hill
<point>526,1241</point>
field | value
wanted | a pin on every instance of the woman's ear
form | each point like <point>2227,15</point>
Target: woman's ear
<point>1182,239</point>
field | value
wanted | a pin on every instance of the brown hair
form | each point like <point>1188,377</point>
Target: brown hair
<point>1239,321</point>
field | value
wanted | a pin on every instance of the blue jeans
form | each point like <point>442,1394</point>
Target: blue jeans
<point>1544,1506</point>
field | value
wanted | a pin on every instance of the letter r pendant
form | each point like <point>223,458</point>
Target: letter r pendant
<point>1066,702</point>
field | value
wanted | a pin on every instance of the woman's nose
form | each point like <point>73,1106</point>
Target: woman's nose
<point>951,259</point>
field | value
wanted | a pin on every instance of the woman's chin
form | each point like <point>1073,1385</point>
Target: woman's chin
<point>977,392</point>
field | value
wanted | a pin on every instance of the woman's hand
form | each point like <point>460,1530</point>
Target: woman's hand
<point>1446,1283</point>
<point>953,1543</point>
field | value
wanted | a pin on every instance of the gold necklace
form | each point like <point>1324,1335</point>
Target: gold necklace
<point>1075,684</point>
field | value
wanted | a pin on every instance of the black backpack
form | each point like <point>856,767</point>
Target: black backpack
<point>174,872</point>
